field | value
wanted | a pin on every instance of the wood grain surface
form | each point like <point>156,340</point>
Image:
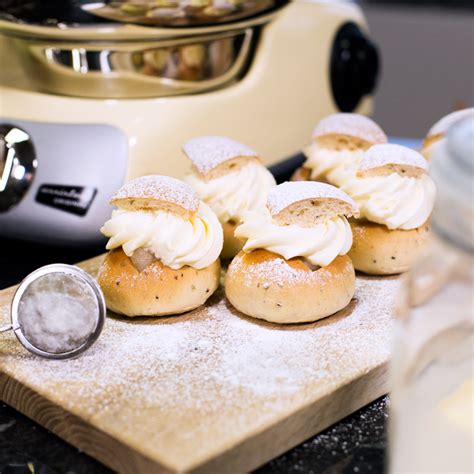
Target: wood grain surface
<point>181,395</point>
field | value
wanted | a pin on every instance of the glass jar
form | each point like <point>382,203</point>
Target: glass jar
<point>431,415</point>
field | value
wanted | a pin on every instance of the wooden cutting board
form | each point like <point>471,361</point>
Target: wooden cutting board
<point>210,391</point>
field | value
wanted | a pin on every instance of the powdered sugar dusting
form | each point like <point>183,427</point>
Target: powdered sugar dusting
<point>189,385</point>
<point>391,154</point>
<point>276,271</point>
<point>353,125</point>
<point>290,192</point>
<point>161,188</point>
<point>206,153</point>
<point>131,279</point>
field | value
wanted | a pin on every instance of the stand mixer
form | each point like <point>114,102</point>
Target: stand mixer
<point>96,93</point>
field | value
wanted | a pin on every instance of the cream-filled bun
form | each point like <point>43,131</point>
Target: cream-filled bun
<point>293,267</point>
<point>395,196</point>
<point>437,132</point>
<point>339,141</point>
<point>231,179</point>
<point>164,249</point>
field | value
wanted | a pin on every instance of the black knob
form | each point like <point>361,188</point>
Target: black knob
<point>354,67</point>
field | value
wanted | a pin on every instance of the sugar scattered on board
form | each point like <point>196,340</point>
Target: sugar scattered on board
<point>213,373</point>
<point>216,346</point>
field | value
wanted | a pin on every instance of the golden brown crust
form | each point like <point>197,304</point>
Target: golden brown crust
<point>232,245</point>
<point>429,140</point>
<point>427,149</point>
<point>264,285</point>
<point>157,290</point>
<point>377,250</point>
<point>301,174</point>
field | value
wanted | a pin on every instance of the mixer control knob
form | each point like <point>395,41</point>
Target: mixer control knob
<point>354,67</point>
<point>17,165</point>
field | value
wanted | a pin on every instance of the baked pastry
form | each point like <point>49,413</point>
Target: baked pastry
<point>293,267</point>
<point>339,141</point>
<point>437,132</point>
<point>395,196</point>
<point>164,249</point>
<point>231,179</point>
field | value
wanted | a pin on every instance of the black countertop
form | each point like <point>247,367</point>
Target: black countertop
<point>355,444</point>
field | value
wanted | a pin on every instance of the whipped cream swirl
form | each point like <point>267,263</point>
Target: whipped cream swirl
<point>320,244</point>
<point>233,194</point>
<point>336,166</point>
<point>176,241</point>
<point>395,201</point>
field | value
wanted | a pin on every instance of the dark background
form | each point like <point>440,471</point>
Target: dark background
<point>427,50</point>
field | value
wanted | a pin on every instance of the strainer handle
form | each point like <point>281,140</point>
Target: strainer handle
<point>6,328</point>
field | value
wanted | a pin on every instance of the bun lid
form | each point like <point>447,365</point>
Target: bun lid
<point>382,160</point>
<point>155,192</point>
<point>307,203</point>
<point>443,125</point>
<point>351,125</point>
<point>214,156</point>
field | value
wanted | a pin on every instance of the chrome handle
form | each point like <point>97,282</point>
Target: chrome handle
<point>17,165</point>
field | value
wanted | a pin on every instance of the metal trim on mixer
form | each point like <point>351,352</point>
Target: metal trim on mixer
<point>138,69</point>
<point>119,32</point>
<point>17,165</point>
<point>123,58</point>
